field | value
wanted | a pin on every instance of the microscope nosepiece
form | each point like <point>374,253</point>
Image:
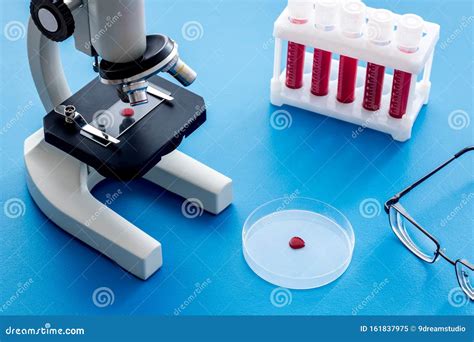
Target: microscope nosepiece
<point>138,97</point>
<point>182,72</point>
<point>136,92</point>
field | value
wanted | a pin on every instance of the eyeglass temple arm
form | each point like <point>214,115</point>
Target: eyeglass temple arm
<point>395,198</point>
<point>468,264</point>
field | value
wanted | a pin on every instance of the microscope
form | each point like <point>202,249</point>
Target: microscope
<point>125,124</point>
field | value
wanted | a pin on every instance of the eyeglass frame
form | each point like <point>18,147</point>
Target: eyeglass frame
<point>393,202</point>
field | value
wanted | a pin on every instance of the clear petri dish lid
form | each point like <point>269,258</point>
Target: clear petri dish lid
<point>297,243</point>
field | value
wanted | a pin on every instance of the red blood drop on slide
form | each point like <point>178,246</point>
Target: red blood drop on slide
<point>127,112</point>
<point>296,242</point>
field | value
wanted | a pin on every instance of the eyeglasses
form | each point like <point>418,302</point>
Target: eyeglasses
<point>419,241</point>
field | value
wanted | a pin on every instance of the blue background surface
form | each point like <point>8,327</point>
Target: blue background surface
<point>316,156</point>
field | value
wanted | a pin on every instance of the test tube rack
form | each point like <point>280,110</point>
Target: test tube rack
<point>418,64</point>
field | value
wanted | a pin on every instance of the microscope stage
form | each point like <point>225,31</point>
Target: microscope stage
<point>146,132</point>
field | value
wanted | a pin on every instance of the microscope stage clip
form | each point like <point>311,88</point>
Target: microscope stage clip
<point>71,115</point>
<point>159,92</point>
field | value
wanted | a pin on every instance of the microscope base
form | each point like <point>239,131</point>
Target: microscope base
<point>61,187</point>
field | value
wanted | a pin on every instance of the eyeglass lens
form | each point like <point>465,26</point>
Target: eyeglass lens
<point>412,237</point>
<point>465,277</point>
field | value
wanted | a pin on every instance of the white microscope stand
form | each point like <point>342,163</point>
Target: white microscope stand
<point>61,185</point>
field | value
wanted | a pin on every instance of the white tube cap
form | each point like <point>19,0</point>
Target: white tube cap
<point>325,15</point>
<point>380,27</point>
<point>409,32</point>
<point>300,10</point>
<point>352,19</point>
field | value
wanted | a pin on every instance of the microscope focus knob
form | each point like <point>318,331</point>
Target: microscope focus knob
<point>53,18</point>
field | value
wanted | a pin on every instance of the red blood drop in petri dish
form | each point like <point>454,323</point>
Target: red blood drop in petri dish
<point>127,112</point>
<point>296,242</point>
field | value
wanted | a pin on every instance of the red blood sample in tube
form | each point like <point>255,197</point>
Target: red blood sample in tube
<point>321,72</point>
<point>347,79</point>
<point>295,65</point>
<point>400,92</point>
<point>373,86</point>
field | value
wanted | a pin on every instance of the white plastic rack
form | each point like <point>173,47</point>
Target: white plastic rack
<point>361,48</point>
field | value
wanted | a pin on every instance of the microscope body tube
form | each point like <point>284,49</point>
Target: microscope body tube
<point>118,29</point>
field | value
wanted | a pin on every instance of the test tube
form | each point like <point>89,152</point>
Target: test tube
<point>380,32</point>
<point>325,19</point>
<point>409,33</point>
<point>352,22</point>
<point>299,11</point>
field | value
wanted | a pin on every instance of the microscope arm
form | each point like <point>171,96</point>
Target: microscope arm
<point>46,68</point>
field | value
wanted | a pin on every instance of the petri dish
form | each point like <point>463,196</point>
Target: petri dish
<point>328,242</point>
